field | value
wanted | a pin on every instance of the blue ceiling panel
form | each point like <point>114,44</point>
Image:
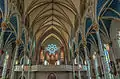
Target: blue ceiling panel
<point>13,21</point>
<point>90,37</point>
<point>89,46</point>
<point>2,5</point>
<point>88,23</point>
<point>111,13</point>
<point>107,24</point>
<point>116,5</point>
<point>100,4</point>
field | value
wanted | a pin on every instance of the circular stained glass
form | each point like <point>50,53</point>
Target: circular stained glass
<point>51,48</point>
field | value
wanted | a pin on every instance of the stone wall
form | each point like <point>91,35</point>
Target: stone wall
<point>42,72</point>
<point>114,26</point>
<point>44,75</point>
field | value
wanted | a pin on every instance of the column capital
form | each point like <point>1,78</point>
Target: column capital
<point>18,41</point>
<point>3,25</point>
<point>96,26</point>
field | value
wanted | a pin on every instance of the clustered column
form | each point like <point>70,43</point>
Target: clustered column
<point>4,26</point>
<point>104,64</point>
<point>14,60</point>
<point>86,58</point>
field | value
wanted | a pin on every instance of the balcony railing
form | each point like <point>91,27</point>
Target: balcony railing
<point>49,68</point>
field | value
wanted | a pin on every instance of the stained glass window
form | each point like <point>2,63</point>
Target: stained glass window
<point>107,59</point>
<point>52,48</point>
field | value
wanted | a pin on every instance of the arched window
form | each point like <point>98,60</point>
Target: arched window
<point>107,59</point>
<point>51,76</point>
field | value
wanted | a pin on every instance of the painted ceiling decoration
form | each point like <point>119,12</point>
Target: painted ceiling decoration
<point>2,6</point>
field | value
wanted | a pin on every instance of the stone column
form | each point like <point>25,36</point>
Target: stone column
<point>73,68</point>
<point>29,70</point>
<point>18,41</point>
<point>73,64</point>
<point>101,53</point>
<point>5,66</point>
<point>14,60</point>
<point>79,75</point>
<point>88,64</point>
<point>4,26</point>
<point>104,64</point>
<point>33,50</point>
<point>95,59</point>
<point>96,27</point>
<point>30,60</point>
<point>26,47</point>
<point>86,57</point>
<point>25,50</point>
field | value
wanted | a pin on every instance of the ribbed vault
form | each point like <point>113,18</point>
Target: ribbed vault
<point>59,15</point>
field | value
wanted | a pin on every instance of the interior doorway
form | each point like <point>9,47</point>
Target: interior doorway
<point>51,76</point>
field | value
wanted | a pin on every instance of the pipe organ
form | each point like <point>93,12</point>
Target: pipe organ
<point>54,58</point>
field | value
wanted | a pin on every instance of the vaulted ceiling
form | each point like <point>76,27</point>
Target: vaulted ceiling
<point>57,16</point>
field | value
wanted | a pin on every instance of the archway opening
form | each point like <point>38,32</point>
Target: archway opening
<point>51,76</point>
